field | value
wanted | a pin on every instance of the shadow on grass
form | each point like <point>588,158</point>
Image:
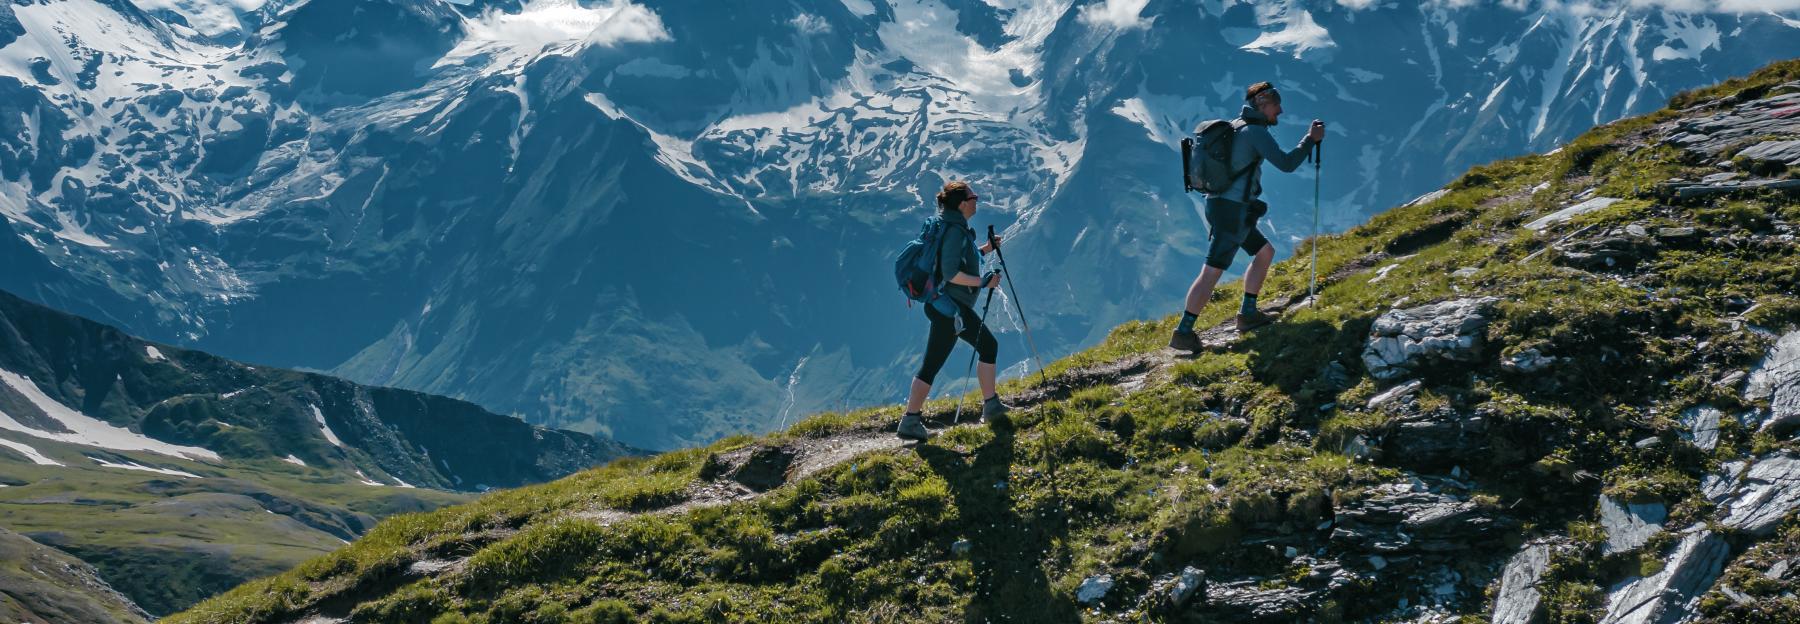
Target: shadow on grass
<point>1007,550</point>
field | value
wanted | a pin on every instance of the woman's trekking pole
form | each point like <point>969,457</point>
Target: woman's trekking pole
<point>1015,300</point>
<point>1318,154</point>
<point>980,327</point>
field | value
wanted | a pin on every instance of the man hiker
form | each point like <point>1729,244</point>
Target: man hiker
<point>959,265</point>
<point>1231,215</point>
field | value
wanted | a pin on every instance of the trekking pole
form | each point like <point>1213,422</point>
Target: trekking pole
<point>1015,301</point>
<point>1318,154</point>
<point>980,326</point>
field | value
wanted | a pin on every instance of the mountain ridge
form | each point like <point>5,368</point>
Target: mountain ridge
<point>396,224</point>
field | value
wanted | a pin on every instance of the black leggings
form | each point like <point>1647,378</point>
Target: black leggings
<point>943,339</point>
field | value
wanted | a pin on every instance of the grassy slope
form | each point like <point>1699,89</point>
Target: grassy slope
<point>169,542</point>
<point>1172,473</point>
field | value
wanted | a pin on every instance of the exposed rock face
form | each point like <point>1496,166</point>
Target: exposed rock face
<point>1435,439</point>
<point>1713,136</point>
<point>1404,341</point>
<point>1777,380</point>
<point>1571,212</point>
<point>1785,152</point>
<point>1519,601</point>
<point>1630,525</point>
<point>1702,426</point>
<point>1756,501</point>
<point>1668,596</point>
<point>1413,518</point>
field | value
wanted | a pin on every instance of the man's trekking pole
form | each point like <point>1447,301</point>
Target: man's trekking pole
<point>980,327</point>
<point>1015,300</point>
<point>1318,154</point>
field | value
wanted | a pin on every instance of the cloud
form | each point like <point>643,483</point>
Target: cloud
<point>541,23</point>
<point>1115,13</point>
<point>809,24</point>
<point>627,23</point>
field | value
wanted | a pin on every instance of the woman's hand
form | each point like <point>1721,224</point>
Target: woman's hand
<point>1317,132</point>
<point>992,244</point>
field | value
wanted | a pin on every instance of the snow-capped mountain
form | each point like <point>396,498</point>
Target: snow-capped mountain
<point>669,221</point>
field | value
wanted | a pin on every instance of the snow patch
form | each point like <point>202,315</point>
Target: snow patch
<point>330,436</point>
<point>143,468</point>
<point>1298,34</point>
<point>29,453</point>
<point>153,354</point>
<point>87,430</point>
<point>294,460</point>
<point>1696,34</point>
<point>366,481</point>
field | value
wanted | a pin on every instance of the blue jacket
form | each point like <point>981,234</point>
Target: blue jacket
<point>1255,142</point>
<point>957,254</point>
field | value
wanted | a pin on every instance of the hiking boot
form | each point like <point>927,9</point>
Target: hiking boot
<point>993,411</point>
<point>1185,341</point>
<point>912,427</point>
<point>1253,320</point>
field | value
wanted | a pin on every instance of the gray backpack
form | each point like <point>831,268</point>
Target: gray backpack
<point>1206,156</point>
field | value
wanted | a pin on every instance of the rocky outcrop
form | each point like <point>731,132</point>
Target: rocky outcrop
<point>1713,136</point>
<point>1437,439</point>
<point>1591,205</point>
<point>1630,525</point>
<point>1702,424</point>
<point>1403,342</point>
<point>1756,500</point>
<point>1415,517</point>
<point>1777,381</point>
<point>1668,596</point>
<point>1519,601</point>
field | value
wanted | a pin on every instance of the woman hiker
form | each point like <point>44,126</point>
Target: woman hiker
<point>957,259</point>
<point>1231,216</point>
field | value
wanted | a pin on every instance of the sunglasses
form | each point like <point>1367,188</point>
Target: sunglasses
<point>972,198</point>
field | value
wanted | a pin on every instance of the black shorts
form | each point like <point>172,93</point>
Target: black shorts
<point>1233,227</point>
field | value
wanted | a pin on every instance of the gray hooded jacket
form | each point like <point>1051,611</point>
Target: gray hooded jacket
<point>1255,142</point>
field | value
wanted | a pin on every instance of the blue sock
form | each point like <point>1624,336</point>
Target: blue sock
<point>1187,321</point>
<point>1249,306</point>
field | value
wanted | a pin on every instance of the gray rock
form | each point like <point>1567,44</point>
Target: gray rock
<point>1519,601</point>
<point>1702,424</point>
<point>1720,177</point>
<point>1192,581</point>
<point>1400,519</point>
<point>1571,212</point>
<point>961,547</point>
<point>1402,341</point>
<point>1777,380</point>
<point>1247,600</point>
<point>1434,439</point>
<point>1779,570</point>
<point>1668,596</point>
<point>1395,393</point>
<point>1527,362</point>
<point>1787,152</point>
<point>1630,525</point>
<point>1758,499</point>
<point>1093,589</point>
<point>1712,136</point>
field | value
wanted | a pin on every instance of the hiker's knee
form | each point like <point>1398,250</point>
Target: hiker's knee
<point>1220,254</point>
<point>987,348</point>
<point>1267,252</point>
